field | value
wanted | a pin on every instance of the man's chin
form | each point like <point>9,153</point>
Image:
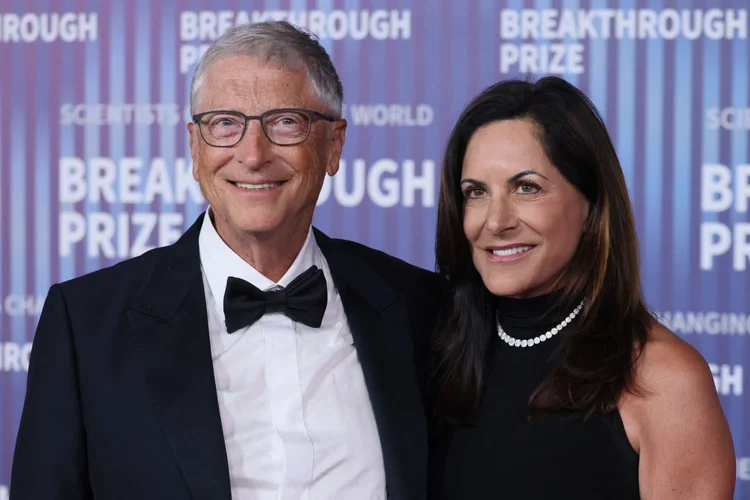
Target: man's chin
<point>262,229</point>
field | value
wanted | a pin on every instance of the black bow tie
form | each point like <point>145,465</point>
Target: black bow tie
<point>304,301</point>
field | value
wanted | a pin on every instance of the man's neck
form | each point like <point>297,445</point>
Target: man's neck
<point>271,254</point>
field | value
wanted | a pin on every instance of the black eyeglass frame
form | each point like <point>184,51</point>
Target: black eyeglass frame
<point>312,115</point>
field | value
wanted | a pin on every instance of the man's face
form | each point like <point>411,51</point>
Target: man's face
<point>258,189</point>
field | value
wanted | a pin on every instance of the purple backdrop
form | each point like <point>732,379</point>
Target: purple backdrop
<point>94,164</point>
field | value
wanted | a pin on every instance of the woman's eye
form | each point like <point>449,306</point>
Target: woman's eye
<point>528,188</point>
<point>473,192</point>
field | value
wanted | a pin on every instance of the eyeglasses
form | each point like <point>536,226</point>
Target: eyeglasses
<point>284,127</point>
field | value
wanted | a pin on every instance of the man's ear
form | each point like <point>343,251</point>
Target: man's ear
<point>336,145</point>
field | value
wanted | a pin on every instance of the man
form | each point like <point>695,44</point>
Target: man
<point>255,358</point>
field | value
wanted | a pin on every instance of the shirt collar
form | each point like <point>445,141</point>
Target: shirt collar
<point>219,262</point>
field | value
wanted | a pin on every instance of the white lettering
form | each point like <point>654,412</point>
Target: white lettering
<point>509,56</point>
<point>741,187</point>
<point>736,26</point>
<point>379,25</point>
<point>72,231</point>
<point>102,179</point>
<point>716,188</point>
<point>123,181</point>
<point>554,58</point>
<point>691,32</point>
<point>157,182</point>
<point>385,183</point>
<point>20,305</point>
<point>170,226</point>
<point>109,235</point>
<point>393,115</point>
<point>669,24</point>
<point>586,28</point>
<point>388,195</point>
<point>316,22</point>
<point>413,182</point>
<point>72,183</point>
<point>714,25</point>
<point>743,469</point>
<point>130,180</point>
<point>225,21</point>
<point>87,26</point>
<point>509,24</point>
<point>185,184</point>
<point>647,24</point>
<point>101,229</point>
<point>717,238</point>
<point>728,118</point>
<point>207,27</point>
<point>741,254</point>
<point>14,357</point>
<point>332,24</point>
<point>190,55</point>
<point>625,22</point>
<point>123,235</point>
<point>400,25</point>
<point>549,20</point>
<point>728,379</point>
<point>529,24</point>
<point>711,322</point>
<point>337,25</point>
<point>188,26</point>
<point>67,27</point>
<point>147,221</point>
<point>357,194</point>
<point>120,114</point>
<point>567,28</point>
<point>716,193</point>
<point>359,28</point>
<point>580,24</point>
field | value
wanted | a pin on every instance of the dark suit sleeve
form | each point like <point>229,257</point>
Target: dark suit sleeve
<point>50,456</point>
<point>428,311</point>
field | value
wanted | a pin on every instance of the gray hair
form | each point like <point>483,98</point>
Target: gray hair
<point>282,44</point>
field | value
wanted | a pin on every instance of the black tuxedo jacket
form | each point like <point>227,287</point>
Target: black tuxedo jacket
<point>121,401</point>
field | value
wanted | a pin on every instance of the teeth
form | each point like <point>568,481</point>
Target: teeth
<point>268,185</point>
<point>510,251</point>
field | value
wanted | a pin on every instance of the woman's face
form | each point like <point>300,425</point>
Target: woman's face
<point>522,218</point>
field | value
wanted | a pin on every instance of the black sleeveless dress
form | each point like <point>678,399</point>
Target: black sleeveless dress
<point>503,455</point>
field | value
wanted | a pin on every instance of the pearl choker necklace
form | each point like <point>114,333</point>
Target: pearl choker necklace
<point>514,342</point>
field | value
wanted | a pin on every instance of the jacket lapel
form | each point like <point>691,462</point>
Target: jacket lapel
<point>377,316</point>
<point>170,328</point>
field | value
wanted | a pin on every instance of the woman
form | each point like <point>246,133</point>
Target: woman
<point>552,378</point>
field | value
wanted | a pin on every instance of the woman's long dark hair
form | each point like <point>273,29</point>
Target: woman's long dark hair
<point>595,360</point>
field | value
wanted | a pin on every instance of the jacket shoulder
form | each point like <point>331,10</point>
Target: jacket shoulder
<point>133,274</point>
<point>118,281</point>
<point>393,268</point>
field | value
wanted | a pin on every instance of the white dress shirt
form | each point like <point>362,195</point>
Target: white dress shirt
<point>297,419</point>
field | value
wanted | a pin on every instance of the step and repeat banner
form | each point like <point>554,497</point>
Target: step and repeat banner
<point>95,165</point>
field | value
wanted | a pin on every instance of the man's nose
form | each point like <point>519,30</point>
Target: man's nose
<point>254,148</point>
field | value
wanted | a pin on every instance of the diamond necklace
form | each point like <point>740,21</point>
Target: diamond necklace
<point>514,342</point>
